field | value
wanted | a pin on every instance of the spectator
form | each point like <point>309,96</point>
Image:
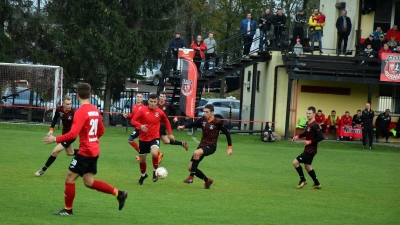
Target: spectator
<point>357,119</point>
<point>343,26</point>
<point>298,31</point>
<point>174,45</point>
<point>367,129</point>
<point>316,29</point>
<point>264,23</point>
<point>392,43</point>
<point>393,32</point>
<point>379,43</point>
<point>368,53</point>
<point>279,26</point>
<point>397,49</point>
<point>384,49</point>
<point>320,119</point>
<point>369,41</point>
<point>333,123</point>
<point>199,48</point>
<point>247,29</point>
<point>298,50</point>
<point>346,122</point>
<point>377,33</point>
<point>382,125</point>
<point>211,49</point>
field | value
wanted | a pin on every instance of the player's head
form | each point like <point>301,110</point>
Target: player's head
<point>311,112</point>
<point>67,103</point>
<point>387,112</point>
<point>347,113</point>
<point>319,112</point>
<point>359,112</point>
<point>153,99</point>
<point>163,96</point>
<point>208,111</point>
<point>84,91</point>
<point>333,113</point>
<point>139,98</point>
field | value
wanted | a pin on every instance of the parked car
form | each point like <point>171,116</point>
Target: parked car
<point>15,104</point>
<point>149,73</point>
<point>222,108</point>
<point>232,83</point>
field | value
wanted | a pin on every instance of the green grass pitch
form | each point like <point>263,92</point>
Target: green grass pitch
<point>256,185</point>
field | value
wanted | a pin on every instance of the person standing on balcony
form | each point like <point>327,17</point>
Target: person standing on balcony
<point>394,32</point>
<point>279,26</point>
<point>298,31</point>
<point>199,48</point>
<point>264,23</point>
<point>174,45</point>
<point>316,29</point>
<point>343,26</point>
<point>210,53</point>
<point>247,29</point>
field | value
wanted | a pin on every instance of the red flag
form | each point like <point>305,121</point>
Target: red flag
<point>390,67</point>
<point>187,101</point>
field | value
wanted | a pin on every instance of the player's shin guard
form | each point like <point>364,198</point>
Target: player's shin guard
<point>201,175</point>
<point>49,161</point>
<point>195,164</point>
<point>300,172</point>
<point>103,187</point>
<point>69,195</point>
<point>155,162</point>
<point>175,142</point>
<point>142,167</point>
<point>134,145</point>
<point>314,177</point>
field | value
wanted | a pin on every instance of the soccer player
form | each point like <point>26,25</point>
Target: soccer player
<point>88,124</point>
<point>148,121</point>
<point>131,140</point>
<point>66,113</point>
<point>313,136</point>
<point>167,108</point>
<point>211,127</point>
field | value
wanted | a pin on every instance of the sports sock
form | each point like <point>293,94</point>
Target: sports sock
<point>103,187</point>
<point>155,162</point>
<point>142,167</point>
<point>175,142</point>
<point>201,175</point>
<point>134,145</point>
<point>50,161</point>
<point>300,172</point>
<point>314,177</point>
<point>76,151</point>
<point>195,164</point>
<point>69,195</point>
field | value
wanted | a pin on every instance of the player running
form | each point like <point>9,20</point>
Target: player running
<point>131,140</point>
<point>168,108</point>
<point>208,144</point>
<point>148,121</point>
<point>313,135</point>
<point>66,113</point>
<point>88,124</point>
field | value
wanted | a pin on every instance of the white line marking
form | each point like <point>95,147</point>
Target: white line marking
<point>195,140</point>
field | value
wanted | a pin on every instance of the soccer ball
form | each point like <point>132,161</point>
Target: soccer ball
<point>161,173</point>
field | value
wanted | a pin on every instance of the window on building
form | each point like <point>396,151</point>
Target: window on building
<point>389,98</point>
<point>383,15</point>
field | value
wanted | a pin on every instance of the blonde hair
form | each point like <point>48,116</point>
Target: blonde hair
<point>67,97</point>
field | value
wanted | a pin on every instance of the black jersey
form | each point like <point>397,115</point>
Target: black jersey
<point>312,133</point>
<point>66,118</point>
<point>210,131</point>
<point>168,109</point>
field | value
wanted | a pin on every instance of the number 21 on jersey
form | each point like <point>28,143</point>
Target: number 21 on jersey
<point>93,129</point>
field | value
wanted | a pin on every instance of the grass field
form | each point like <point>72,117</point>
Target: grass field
<point>256,185</point>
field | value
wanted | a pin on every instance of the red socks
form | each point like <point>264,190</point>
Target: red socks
<point>103,187</point>
<point>69,195</point>
<point>155,162</point>
<point>143,167</point>
<point>134,145</point>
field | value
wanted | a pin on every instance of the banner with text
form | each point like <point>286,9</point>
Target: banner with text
<point>390,67</point>
<point>187,101</point>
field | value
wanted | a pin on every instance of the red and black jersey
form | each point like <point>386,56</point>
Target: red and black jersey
<point>89,126</point>
<point>151,118</point>
<point>313,134</point>
<point>210,131</point>
<point>66,118</point>
<point>168,109</point>
<point>346,121</point>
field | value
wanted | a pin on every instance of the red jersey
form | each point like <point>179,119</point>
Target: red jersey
<point>320,119</point>
<point>346,121</point>
<point>135,109</point>
<point>66,118</point>
<point>152,118</point>
<point>89,125</point>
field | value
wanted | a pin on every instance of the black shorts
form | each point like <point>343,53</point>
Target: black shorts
<point>305,158</point>
<point>207,150</point>
<point>82,164</point>
<point>145,146</point>
<point>67,143</point>
<point>163,131</point>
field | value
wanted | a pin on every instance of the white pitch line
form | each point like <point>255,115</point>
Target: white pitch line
<point>194,139</point>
